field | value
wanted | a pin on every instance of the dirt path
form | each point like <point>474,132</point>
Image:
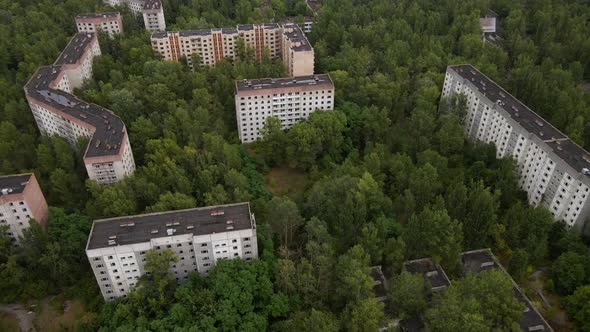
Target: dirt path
<point>25,317</point>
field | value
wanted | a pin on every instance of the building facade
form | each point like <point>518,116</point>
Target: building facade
<point>151,10</point>
<point>153,15</point>
<point>110,23</point>
<point>21,200</point>
<point>554,171</point>
<point>290,99</point>
<point>199,238</point>
<point>206,47</point>
<point>108,157</point>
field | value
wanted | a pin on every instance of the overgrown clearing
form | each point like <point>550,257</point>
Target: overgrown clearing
<point>285,181</point>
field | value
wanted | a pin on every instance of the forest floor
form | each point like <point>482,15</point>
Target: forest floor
<point>547,302</point>
<point>8,322</point>
<point>14,317</point>
<point>285,181</point>
<point>56,314</point>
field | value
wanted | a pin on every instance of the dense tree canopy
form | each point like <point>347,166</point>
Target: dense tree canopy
<point>388,173</point>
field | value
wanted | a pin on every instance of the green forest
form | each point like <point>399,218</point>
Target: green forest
<point>386,177</point>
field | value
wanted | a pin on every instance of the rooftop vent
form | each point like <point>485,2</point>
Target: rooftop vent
<point>487,264</point>
<point>6,191</point>
<point>217,212</point>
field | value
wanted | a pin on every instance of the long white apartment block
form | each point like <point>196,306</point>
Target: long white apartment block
<point>108,157</point>
<point>206,47</point>
<point>554,171</point>
<point>199,237</point>
<point>290,99</point>
<point>110,23</point>
<point>21,200</point>
<point>151,10</point>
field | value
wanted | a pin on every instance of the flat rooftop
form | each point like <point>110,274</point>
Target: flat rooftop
<point>109,128</point>
<point>287,82</point>
<point>198,221</point>
<point>75,48</point>
<point>98,15</point>
<point>431,271</point>
<point>297,37</point>
<point>207,32</point>
<point>477,261</point>
<point>13,184</point>
<point>152,4</point>
<point>574,155</point>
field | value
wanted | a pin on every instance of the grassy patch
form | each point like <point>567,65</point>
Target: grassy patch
<point>285,181</point>
<point>8,322</point>
<point>57,314</point>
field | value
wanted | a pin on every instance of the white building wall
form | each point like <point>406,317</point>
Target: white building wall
<point>118,268</point>
<point>539,168</point>
<point>288,107</point>
<point>16,216</point>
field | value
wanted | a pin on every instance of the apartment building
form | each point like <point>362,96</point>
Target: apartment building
<point>289,99</point>
<point>151,10</point>
<point>298,55</point>
<point>153,15</point>
<point>21,200</point>
<point>206,47</point>
<point>108,157</point>
<point>554,171</point>
<point>110,23</point>
<point>199,237</point>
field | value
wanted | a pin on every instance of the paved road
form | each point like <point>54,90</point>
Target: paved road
<point>25,320</point>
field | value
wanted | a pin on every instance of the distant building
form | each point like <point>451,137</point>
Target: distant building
<point>432,272</point>
<point>108,157</point>
<point>21,200</point>
<point>298,55</point>
<point>110,23</point>
<point>554,170</point>
<point>314,6</point>
<point>306,25</point>
<point>151,10</point>
<point>199,237</point>
<point>488,24</point>
<point>153,15</point>
<point>206,47</point>
<point>290,99</point>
